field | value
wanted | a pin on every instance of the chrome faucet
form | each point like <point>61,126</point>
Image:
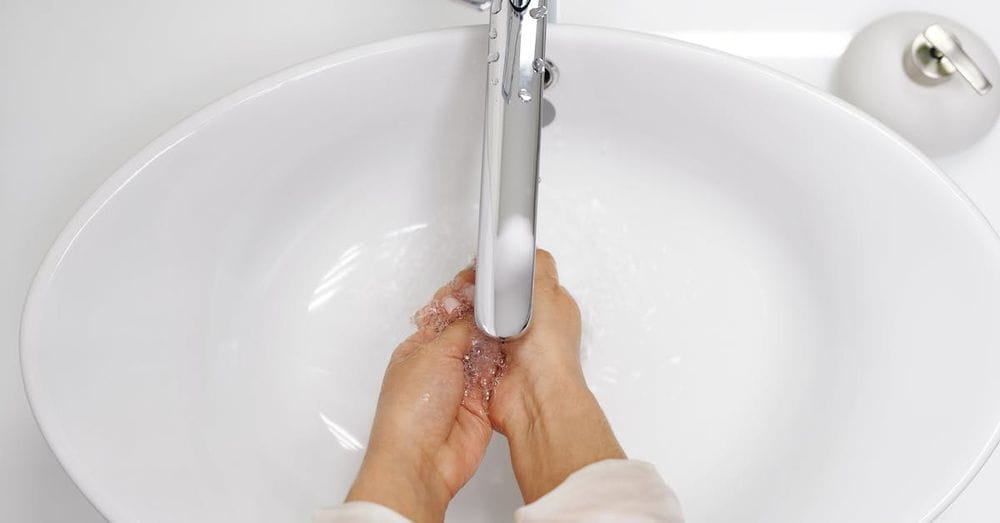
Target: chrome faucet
<point>505,263</point>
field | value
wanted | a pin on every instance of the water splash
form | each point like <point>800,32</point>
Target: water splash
<point>484,365</point>
<point>486,358</point>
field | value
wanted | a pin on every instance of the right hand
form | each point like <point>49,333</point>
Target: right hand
<point>544,363</point>
<point>552,421</point>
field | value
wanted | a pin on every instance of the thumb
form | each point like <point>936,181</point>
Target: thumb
<point>456,339</point>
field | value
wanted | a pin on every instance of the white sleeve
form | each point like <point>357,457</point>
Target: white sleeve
<point>359,512</point>
<point>610,490</point>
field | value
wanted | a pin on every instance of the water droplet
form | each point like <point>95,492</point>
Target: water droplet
<point>538,65</point>
<point>539,12</point>
<point>493,32</point>
<point>483,363</point>
<point>524,95</point>
<point>494,81</point>
<point>495,6</point>
<point>493,58</point>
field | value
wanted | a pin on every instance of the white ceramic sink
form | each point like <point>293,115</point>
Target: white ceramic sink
<point>788,309</point>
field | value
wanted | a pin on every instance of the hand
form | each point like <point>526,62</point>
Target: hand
<point>542,404</point>
<point>426,442</point>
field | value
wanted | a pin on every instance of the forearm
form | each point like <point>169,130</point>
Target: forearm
<point>558,437</point>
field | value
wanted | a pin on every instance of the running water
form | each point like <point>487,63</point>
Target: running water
<point>486,357</point>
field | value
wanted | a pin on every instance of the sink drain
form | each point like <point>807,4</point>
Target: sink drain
<point>550,75</point>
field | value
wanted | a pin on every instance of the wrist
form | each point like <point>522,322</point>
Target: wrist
<point>541,398</point>
<point>415,490</point>
<point>564,431</point>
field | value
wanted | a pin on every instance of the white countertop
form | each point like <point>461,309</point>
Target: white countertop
<point>86,85</point>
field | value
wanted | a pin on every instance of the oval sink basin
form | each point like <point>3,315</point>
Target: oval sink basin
<point>787,309</point>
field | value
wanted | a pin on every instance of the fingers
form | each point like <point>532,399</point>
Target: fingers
<point>421,336</point>
<point>446,320</point>
<point>545,266</point>
<point>455,340</point>
<point>546,274</point>
<point>466,275</point>
<point>552,301</point>
<point>461,280</point>
<point>450,303</point>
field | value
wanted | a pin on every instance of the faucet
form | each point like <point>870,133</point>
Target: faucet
<point>505,261</point>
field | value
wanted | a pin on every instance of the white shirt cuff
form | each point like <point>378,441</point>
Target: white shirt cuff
<point>359,512</point>
<point>610,490</point>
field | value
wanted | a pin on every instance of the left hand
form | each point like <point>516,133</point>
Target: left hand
<point>425,443</point>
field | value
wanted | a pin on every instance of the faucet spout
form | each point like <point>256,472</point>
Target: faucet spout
<point>505,263</point>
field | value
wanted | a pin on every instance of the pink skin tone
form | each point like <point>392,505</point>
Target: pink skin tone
<point>438,409</point>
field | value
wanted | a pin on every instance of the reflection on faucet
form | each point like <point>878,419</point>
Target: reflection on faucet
<point>515,74</point>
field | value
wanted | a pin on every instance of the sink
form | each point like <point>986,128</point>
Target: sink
<point>788,309</point>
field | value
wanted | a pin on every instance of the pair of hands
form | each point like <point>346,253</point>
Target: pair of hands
<point>426,443</point>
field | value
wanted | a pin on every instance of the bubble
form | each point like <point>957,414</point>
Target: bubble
<point>486,357</point>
